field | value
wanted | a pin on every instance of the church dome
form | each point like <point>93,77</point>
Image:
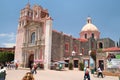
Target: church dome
<point>89,30</point>
<point>89,26</point>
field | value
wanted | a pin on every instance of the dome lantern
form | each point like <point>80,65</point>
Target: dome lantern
<point>89,20</point>
<point>89,30</point>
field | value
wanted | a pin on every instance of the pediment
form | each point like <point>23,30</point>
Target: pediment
<point>33,24</point>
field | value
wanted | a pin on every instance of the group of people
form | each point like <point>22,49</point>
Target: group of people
<point>11,65</point>
<point>87,73</point>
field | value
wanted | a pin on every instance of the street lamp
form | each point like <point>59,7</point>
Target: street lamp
<point>80,61</point>
<point>71,60</point>
<point>89,52</point>
<point>80,55</point>
<point>73,53</point>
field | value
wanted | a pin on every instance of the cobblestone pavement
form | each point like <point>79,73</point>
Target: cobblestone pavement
<point>53,75</point>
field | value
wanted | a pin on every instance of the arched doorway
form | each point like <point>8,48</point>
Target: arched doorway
<point>31,60</point>
<point>101,45</point>
<point>101,64</point>
<point>75,63</point>
<point>66,65</point>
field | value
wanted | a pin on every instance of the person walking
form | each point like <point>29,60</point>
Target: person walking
<point>16,65</point>
<point>86,75</point>
<point>34,68</point>
<point>2,73</point>
<point>99,72</point>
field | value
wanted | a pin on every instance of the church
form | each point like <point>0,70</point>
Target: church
<point>37,41</point>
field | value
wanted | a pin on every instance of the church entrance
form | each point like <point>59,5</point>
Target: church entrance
<point>66,65</point>
<point>30,61</point>
<point>101,64</point>
<point>75,63</point>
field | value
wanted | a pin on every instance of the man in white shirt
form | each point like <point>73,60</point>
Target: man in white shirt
<point>99,72</point>
<point>86,75</point>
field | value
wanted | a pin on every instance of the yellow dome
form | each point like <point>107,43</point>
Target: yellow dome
<point>89,26</point>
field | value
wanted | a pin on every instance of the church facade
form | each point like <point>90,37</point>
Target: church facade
<point>37,41</point>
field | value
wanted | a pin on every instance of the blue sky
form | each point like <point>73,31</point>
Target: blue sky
<point>69,16</point>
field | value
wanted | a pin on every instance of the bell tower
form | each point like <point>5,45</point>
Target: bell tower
<point>34,36</point>
<point>25,17</point>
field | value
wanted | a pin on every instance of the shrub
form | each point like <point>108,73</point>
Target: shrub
<point>70,66</point>
<point>81,66</point>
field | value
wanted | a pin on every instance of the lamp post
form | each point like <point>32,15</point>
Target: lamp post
<point>89,57</point>
<point>80,62</point>
<point>71,63</point>
<point>73,53</point>
<point>80,55</point>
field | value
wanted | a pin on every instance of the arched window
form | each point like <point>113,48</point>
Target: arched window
<point>85,36</point>
<point>67,47</point>
<point>92,35</point>
<point>100,45</point>
<point>33,37</point>
<point>75,48</point>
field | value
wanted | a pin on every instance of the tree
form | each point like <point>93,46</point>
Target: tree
<point>93,56</point>
<point>70,66</point>
<point>81,66</point>
<point>6,57</point>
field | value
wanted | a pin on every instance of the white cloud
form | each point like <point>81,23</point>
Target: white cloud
<point>8,44</point>
<point>7,39</point>
<point>9,36</point>
<point>3,35</point>
<point>12,36</point>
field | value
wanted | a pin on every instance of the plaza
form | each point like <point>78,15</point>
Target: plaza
<point>54,75</point>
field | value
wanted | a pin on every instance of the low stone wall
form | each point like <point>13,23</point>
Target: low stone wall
<point>113,70</point>
<point>111,73</point>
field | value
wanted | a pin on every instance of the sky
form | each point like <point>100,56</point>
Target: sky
<point>69,16</point>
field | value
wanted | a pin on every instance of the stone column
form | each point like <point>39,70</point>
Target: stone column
<point>27,36</point>
<point>36,34</point>
<point>24,39</point>
<point>39,33</point>
<point>48,43</point>
<point>25,57</point>
<point>33,15</point>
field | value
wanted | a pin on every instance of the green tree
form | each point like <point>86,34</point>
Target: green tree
<point>81,66</point>
<point>6,56</point>
<point>93,55</point>
<point>70,66</point>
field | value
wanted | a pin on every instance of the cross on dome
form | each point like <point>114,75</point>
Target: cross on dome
<point>89,20</point>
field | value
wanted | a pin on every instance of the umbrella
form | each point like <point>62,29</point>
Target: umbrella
<point>62,62</point>
<point>55,63</point>
<point>14,61</point>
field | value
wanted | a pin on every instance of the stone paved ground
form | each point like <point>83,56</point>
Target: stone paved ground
<point>53,75</point>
